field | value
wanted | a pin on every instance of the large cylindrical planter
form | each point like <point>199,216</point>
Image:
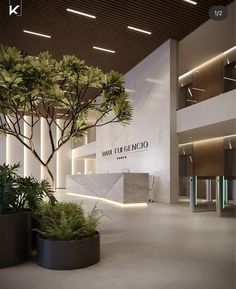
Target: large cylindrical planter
<point>68,255</point>
<point>15,238</point>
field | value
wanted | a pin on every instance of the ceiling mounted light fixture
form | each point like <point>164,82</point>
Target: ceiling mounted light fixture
<point>190,92</point>
<point>37,34</point>
<point>80,13</point>
<point>198,89</point>
<point>191,2</point>
<point>139,30</point>
<point>229,78</point>
<point>191,100</point>
<point>104,49</point>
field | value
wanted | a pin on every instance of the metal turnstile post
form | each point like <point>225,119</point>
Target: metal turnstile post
<point>193,192</point>
<point>208,190</point>
<point>219,195</point>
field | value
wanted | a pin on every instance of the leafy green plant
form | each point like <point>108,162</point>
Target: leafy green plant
<point>66,221</point>
<point>18,193</point>
<point>40,87</point>
<point>8,178</point>
<point>31,193</point>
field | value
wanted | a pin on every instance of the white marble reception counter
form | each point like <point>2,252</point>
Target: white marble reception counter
<point>125,188</point>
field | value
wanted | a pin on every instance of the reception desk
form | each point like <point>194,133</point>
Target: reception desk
<point>124,188</point>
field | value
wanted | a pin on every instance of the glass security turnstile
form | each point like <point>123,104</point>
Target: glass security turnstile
<point>216,195</point>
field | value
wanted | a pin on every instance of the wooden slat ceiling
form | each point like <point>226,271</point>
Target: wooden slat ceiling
<point>75,34</point>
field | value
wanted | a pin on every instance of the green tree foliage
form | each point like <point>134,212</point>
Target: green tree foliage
<point>40,87</point>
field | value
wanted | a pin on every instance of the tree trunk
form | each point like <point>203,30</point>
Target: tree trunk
<point>50,176</point>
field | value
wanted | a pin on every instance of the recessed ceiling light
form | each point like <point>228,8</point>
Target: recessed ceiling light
<point>139,30</point>
<point>80,13</point>
<point>36,33</point>
<point>103,49</point>
<point>191,2</point>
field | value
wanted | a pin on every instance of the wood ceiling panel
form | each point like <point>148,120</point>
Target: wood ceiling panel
<point>76,34</point>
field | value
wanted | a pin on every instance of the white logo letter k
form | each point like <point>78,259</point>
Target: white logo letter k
<point>11,11</point>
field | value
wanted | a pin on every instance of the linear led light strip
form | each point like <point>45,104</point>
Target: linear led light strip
<point>104,49</point>
<point>109,201</point>
<point>37,34</point>
<point>199,89</point>
<point>208,139</point>
<point>190,92</point>
<point>139,30</point>
<point>80,13</point>
<point>205,63</point>
<point>228,78</point>
<point>191,2</point>
<point>191,100</point>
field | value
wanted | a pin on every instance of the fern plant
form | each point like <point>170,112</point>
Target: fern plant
<point>18,193</point>
<point>66,221</point>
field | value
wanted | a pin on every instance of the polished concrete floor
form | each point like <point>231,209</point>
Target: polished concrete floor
<point>157,247</point>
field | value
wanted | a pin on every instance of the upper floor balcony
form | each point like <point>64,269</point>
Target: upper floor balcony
<point>212,78</point>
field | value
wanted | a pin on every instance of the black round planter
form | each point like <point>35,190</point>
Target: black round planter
<point>68,255</point>
<point>35,225</point>
<point>15,238</point>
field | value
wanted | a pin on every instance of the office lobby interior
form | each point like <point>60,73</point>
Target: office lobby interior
<point>118,117</point>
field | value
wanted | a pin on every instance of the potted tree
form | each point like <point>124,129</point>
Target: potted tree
<point>67,236</point>
<point>18,197</point>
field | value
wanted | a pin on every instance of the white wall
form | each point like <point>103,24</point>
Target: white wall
<point>89,166</point>
<point>206,42</point>
<point>153,101</point>
<point>2,149</point>
<point>85,150</point>
<point>211,111</point>
<point>78,166</point>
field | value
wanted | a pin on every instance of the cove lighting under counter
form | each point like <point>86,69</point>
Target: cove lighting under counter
<point>123,189</point>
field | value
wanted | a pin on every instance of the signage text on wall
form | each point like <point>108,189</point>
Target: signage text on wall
<point>136,147</point>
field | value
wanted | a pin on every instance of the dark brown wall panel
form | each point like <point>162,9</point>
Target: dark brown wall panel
<point>208,79</point>
<point>230,163</point>
<point>209,158</point>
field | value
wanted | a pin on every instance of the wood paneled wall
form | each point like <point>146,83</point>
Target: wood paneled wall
<point>208,158</point>
<point>230,164</point>
<point>209,78</point>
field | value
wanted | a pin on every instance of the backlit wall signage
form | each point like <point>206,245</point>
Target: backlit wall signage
<point>136,147</point>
